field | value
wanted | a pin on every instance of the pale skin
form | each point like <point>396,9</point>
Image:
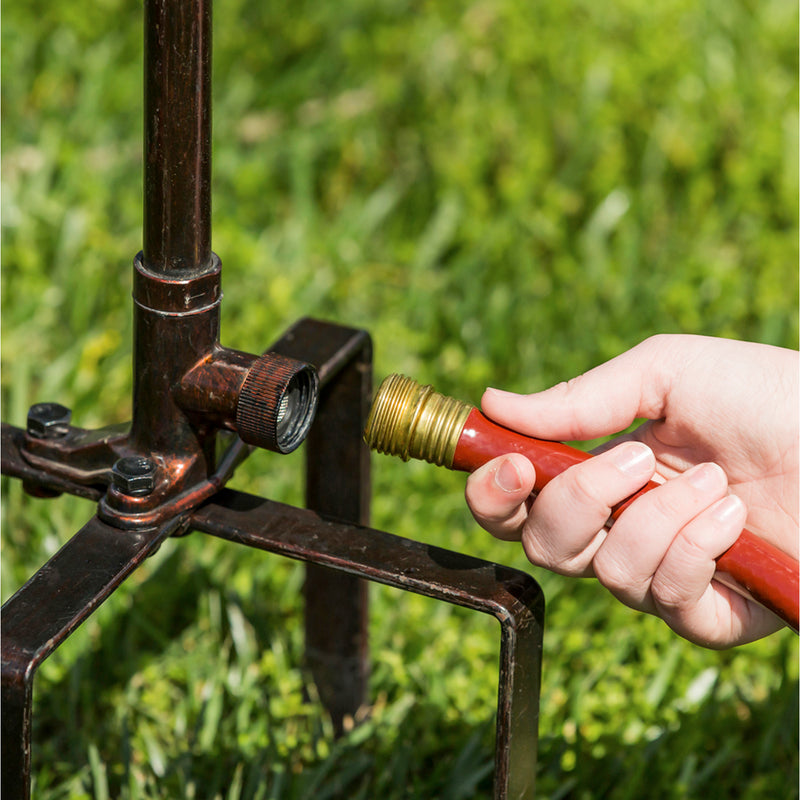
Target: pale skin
<point>721,437</point>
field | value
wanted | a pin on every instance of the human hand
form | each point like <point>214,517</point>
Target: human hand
<point>722,437</point>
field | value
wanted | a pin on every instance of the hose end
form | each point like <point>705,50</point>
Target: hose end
<point>414,421</point>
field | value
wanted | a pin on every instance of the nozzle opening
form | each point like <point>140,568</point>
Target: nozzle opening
<point>296,410</point>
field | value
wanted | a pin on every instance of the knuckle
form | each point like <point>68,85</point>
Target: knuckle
<point>583,487</point>
<point>539,550</point>
<point>533,546</point>
<point>667,593</point>
<point>571,393</point>
<point>616,576</point>
<point>687,559</point>
<point>655,342</point>
<point>660,508</point>
<point>544,550</point>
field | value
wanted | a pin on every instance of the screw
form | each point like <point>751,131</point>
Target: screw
<point>134,476</point>
<point>48,420</point>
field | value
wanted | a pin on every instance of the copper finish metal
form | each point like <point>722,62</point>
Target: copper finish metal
<point>177,137</point>
<point>160,476</point>
<point>511,596</point>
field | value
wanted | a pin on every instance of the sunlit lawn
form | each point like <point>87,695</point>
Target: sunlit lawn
<point>502,193</point>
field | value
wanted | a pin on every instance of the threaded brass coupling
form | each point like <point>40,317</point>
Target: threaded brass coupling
<point>414,421</point>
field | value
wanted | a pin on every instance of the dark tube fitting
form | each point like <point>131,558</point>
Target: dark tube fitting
<point>277,403</point>
<point>270,401</point>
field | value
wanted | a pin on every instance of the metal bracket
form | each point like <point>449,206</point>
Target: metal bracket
<point>187,389</point>
<point>341,553</point>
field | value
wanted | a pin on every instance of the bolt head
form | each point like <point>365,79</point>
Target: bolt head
<point>134,476</point>
<point>48,420</point>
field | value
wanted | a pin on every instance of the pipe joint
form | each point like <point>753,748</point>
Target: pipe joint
<point>269,400</point>
<point>177,295</point>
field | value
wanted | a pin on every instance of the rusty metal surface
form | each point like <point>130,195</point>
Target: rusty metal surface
<point>358,550</point>
<point>15,465</point>
<point>177,171</point>
<point>46,610</point>
<point>338,486</point>
<point>175,425</point>
<point>511,596</point>
<point>167,344</point>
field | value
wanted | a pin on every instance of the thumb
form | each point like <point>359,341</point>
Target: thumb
<point>600,402</point>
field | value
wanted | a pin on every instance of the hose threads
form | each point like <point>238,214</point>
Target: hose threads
<point>413,421</point>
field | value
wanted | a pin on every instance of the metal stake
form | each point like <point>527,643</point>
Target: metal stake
<point>159,476</point>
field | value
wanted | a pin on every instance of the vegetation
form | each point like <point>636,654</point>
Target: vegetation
<point>503,193</point>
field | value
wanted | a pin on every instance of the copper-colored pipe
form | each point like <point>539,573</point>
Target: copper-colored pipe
<point>414,421</point>
<point>269,401</point>
<point>177,135</point>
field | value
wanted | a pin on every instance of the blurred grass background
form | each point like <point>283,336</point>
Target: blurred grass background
<point>502,193</point>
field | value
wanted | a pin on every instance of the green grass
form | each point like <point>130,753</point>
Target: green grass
<point>503,193</point>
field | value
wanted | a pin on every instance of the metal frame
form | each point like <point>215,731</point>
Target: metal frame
<point>176,418</point>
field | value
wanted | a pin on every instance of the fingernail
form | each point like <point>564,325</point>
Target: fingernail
<point>499,392</point>
<point>633,458</point>
<point>727,509</point>
<point>507,477</point>
<point>706,477</point>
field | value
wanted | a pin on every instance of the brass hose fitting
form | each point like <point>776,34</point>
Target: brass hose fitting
<point>414,421</point>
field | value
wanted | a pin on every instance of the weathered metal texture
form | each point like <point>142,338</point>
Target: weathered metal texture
<point>177,279</point>
<point>177,368</point>
<point>210,390</point>
<point>42,473</point>
<point>337,485</point>
<point>176,325</point>
<point>513,597</point>
<point>331,547</point>
<point>251,395</point>
<point>45,611</point>
<point>177,141</point>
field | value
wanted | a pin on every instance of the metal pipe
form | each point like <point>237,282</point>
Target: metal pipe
<point>176,325</point>
<point>177,140</point>
<point>177,279</point>
<point>414,421</point>
<point>270,401</point>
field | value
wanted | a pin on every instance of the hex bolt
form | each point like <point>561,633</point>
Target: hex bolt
<point>134,476</point>
<point>48,420</point>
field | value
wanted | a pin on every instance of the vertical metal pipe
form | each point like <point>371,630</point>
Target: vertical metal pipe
<point>177,171</point>
<point>517,741</point>
<point>176,277</point>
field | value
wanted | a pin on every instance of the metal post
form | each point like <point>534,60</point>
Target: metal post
<point>177,137</point>
<point>177,279</point>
